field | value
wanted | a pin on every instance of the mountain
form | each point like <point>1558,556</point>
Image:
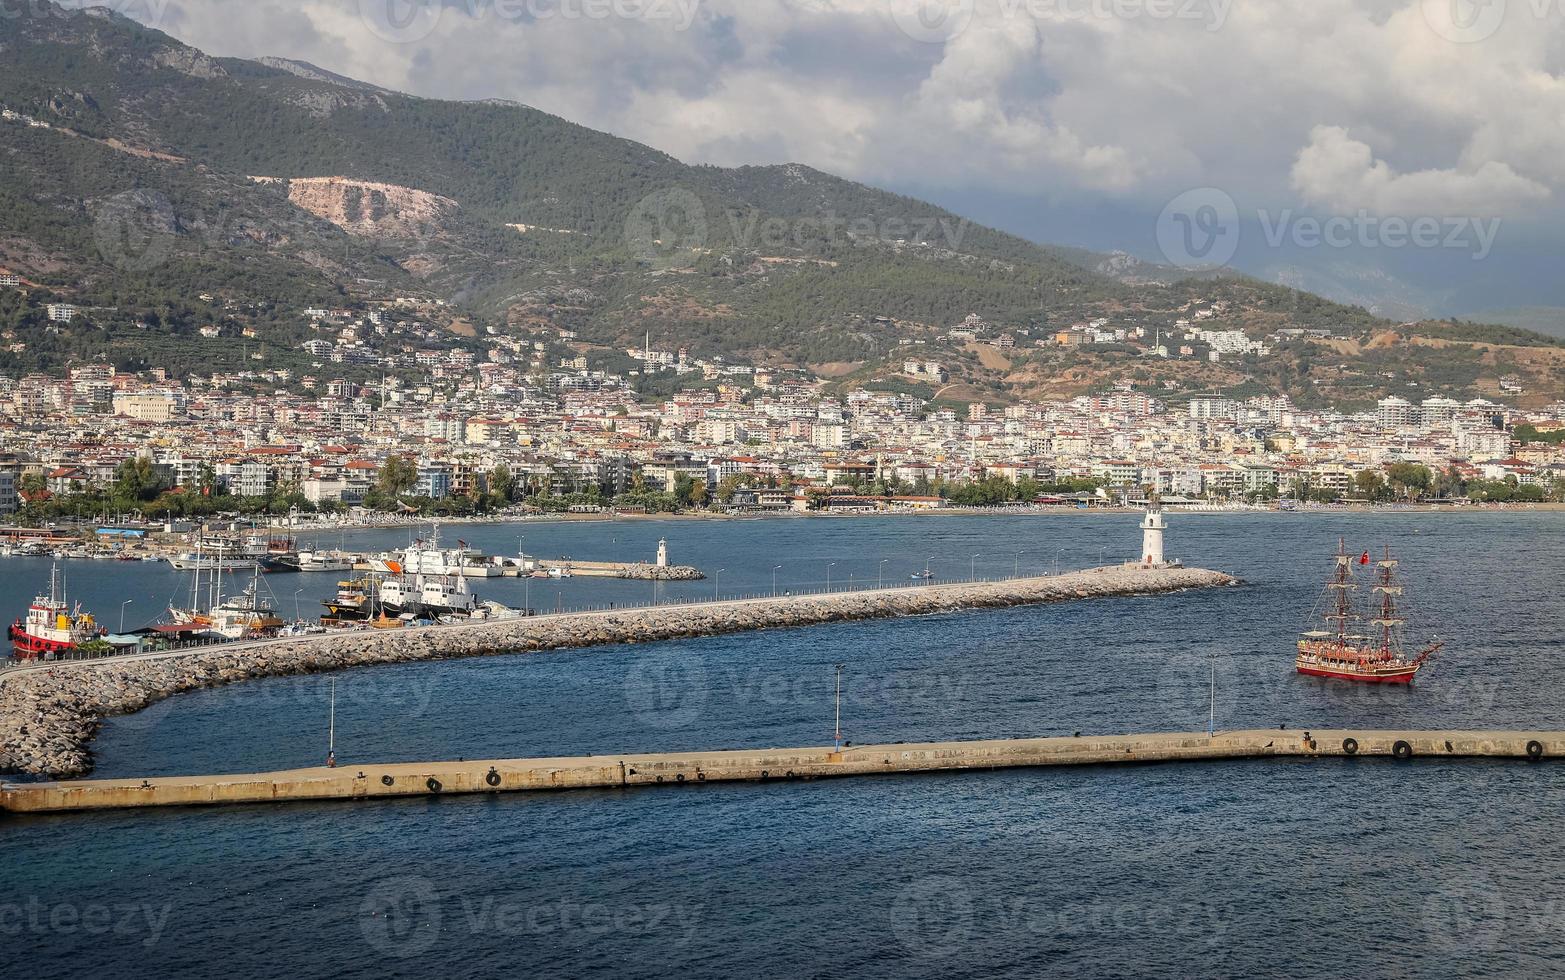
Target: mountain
<point>164,188</point>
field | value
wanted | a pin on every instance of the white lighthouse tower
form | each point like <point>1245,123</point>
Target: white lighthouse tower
<point>1152,529</point>
<point>662,552</point>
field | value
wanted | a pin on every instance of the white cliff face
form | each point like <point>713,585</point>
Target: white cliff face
<point>48,717</point>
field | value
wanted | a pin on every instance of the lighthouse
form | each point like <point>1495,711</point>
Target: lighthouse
<point>662,552</point>
<point>1152,533</point>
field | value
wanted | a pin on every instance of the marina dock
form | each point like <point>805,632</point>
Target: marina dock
<point>687,770</point>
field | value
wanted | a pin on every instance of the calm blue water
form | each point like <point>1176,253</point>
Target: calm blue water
<point>1322,869</point>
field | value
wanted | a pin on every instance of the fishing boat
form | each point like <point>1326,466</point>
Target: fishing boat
<point>1339,650</point>
<point>52,626</point>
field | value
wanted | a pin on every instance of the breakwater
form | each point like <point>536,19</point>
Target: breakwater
<point>687,770</point>
<point>49,716</point>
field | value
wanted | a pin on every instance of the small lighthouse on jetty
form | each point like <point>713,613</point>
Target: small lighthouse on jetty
<point>1152,529</point>
<point>662,553</point>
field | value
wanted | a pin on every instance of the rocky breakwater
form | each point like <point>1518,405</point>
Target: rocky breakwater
<point>663,573</point>
<point>48,717</point>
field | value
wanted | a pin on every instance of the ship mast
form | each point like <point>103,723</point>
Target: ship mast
<point>1342,584</point>
<point>1388,620</point>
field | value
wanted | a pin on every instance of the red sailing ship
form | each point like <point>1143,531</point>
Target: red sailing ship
<point>1339,651</point>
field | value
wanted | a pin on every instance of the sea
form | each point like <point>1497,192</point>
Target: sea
<point>1300,868</point>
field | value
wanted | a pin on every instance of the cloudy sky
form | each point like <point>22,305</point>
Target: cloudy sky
<point>1068,120</point>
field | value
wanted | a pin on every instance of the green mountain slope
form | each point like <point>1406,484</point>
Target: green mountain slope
<point>139,173</point>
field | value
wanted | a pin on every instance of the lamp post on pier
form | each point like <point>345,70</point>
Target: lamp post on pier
<point>715,574</point>
<point>828,575</point>
<point>774,580</point>
<point>880,574</point>
<point>972,568</point>
<point>837,737</point>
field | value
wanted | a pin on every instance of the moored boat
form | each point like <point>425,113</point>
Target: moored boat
<point>52,626</point>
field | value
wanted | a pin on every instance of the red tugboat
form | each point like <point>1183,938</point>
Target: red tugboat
<point>52,627</point>
<point>1337,652</point>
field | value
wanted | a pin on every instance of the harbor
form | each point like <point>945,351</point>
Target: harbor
<point>49,712</point>
<point>689,770</point>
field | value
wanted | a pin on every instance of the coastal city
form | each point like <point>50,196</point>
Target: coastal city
<point>450,436</point>
<point>918,489</point>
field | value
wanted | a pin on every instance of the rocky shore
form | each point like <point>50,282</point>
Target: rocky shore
<point>48,717</point>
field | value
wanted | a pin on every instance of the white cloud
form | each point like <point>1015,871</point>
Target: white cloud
<point>1100,99</point>
<point>1338,172</point>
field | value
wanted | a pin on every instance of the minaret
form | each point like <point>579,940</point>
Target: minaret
<point>1152,532</point>
<point>662,552</point>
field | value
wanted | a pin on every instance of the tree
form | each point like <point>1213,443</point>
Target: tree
<point>398,475</point>
<point>502,485</point>
<point>1371,484</point>
<point>137,480</point>
<point>1411,479</point>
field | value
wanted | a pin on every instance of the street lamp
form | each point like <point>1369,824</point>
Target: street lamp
<point>1016,566</point>
<point>880,574</point>
<point>714,582</point>
<point>122,614</point>
<point>774,580</point>
<point>296,616</point>
<point>837,738</point>
<point>828,575</point>
<point>972,568</point>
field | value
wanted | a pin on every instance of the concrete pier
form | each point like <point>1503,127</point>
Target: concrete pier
<point>692,769</point>
<point>49,712</point>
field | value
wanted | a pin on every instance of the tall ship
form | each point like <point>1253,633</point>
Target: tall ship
<point>245,616</point>
<point>1351,646</point>
<point>52,626</point>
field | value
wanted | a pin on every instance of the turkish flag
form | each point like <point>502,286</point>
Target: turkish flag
<point>1364,558</point>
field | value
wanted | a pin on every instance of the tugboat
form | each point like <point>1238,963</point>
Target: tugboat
<point>357,601</point>
<point>1337,652</point>
<point>52,627</point>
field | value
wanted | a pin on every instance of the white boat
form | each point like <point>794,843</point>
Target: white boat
<point>192,561</point>
<point>324,561</point>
